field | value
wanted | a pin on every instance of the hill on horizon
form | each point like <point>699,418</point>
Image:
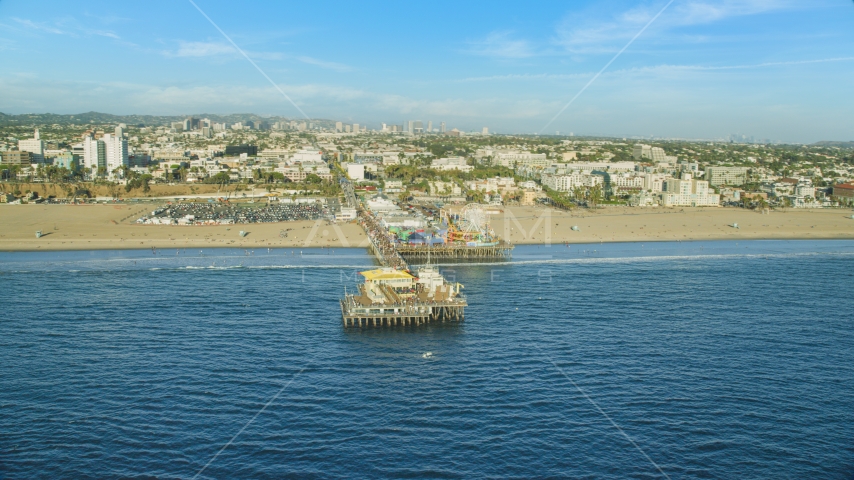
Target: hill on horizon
<point>828,143</point>
<point>147,120</point>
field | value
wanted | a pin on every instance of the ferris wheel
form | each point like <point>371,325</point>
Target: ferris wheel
<point>473,219</point>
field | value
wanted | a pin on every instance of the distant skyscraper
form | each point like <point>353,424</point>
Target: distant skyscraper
<point>417,126</point>
<point>355,128</point>
<point>347,128</point>
<point>339,127</point>
<point>442,127</point>
<point>410,126</point>
<point>485,131</point>
<point>429,126</point>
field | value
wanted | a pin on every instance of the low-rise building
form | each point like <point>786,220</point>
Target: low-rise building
<point>451,163</point>
<point>844,193</point>
<point>16,157</point>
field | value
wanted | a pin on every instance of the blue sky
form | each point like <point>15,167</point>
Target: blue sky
<point>778,69</point>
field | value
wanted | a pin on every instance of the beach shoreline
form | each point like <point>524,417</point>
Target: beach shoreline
<point>112,227</point>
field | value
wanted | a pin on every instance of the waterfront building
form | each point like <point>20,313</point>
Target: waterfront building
<point>844,193</point>
<point>570,181</point>
<point>732,176</point>
<point>688,192</point>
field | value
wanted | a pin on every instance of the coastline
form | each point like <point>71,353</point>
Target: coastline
<point>111,227</point>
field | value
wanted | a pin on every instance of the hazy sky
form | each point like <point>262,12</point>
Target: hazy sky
<point>778,69</point>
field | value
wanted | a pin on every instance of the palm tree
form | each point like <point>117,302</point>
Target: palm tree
<point>595,195</point>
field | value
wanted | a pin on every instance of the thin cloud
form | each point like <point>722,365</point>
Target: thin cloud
<point>650,69</point>
<point>39,26</point>
<point>587,32</point>
<point>202,49</point>
<point>500,45</point>
<point>338,67</point>
<point>215,49</point>
<point>67,26</point>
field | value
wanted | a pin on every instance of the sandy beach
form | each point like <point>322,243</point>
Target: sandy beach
<point>96,227</point>
<point>530,225</point>
<point>109,227</point>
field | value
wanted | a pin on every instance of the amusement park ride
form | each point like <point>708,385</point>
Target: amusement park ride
<point>470,227</point>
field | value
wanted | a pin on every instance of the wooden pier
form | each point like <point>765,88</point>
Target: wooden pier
<point>356,315</point>
<point>455,252</point>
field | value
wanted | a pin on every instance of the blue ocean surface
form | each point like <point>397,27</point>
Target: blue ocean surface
<point>657,360</point>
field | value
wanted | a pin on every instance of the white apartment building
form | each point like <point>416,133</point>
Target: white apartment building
<point>35,146</point>
<point>298,172</point>
<point>306,155</point>
<point>733,176</point>
<point>494,184</point>
<point>627,182</point>
<point>568,182</point>
<point>451,163</point>
<point>688,192</point>
<point>653,182</point>
<point>94,154</point>
<point>511,159</point>
<point>610,167</point>
<point>356,171</point>
<point>116,148</point>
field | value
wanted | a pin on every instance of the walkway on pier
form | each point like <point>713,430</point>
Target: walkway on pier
<point>382,245</point>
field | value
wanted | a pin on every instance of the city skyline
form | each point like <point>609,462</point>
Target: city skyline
<point>773,69</point>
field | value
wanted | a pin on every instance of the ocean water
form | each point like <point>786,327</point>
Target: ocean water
<point>679,360</point>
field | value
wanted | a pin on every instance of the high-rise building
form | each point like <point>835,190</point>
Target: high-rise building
<point>35,146</point>
<point>485,131</point>
<point>410,126</point>
<point>94,154</point>
<point>116,148</point>
<point>442,127</point>
<point>429,126</point>
<point>339,127</point>
<point>355,128</point>
<point>417,127</point>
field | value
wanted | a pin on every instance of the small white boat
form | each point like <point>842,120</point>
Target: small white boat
<point>427,355</point>
<point>39,234</point>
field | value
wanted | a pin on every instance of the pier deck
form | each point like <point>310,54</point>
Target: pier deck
<point>456,252</point>
<point>355,314</point>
